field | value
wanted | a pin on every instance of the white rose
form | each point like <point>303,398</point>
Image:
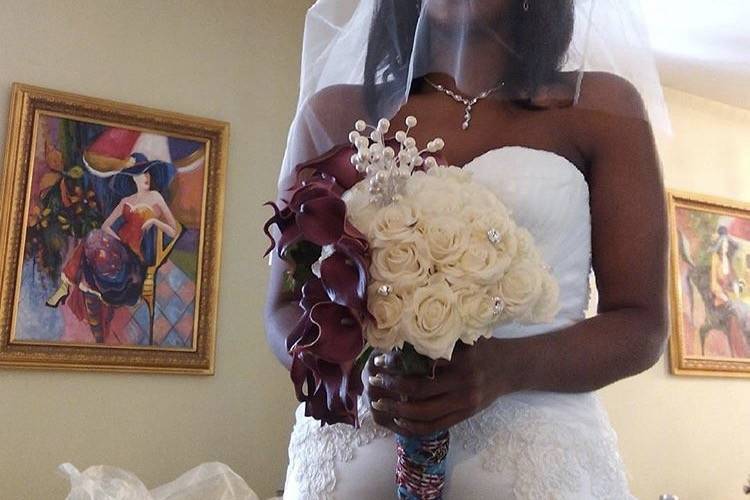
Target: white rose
<point>359,210</point>
<point>394,222</point>
<point>526,247</point>
<point>403,265</point>
<point>446,239</point>
<point>470,213</point>
<point>383,339</point>
<point>476,307</point>
<point>481,263</point>
<point>506,249</point>
<point>548,303</point>
<point>455,174</point>
<point>507,246</point>
<point>434,324</point>
<point>437,196</point>
<point>520,288</point>
<point>386,310</point>
<point>482,222</point>
<point>480,198</point>
<point>415,184</point>
<point>443,203</point>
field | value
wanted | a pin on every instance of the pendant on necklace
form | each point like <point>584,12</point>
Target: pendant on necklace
<point>467,118</point>
<point>467,102</point>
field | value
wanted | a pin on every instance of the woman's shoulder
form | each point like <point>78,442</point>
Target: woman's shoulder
<point>336,97</point>
<point>154,197</point>
<point>611,93</point>
<point>333,110</point>
<point>609,111</point>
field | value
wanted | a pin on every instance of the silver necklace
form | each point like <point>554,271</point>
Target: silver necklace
<point>468,102</point>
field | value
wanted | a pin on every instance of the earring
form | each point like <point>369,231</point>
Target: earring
<point>525,5</point>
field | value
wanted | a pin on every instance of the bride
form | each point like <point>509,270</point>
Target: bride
<point>506,84</point>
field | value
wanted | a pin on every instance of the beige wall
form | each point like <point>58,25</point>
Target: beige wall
<point>238,61</point>
<point>687,435</point>
<point>233,60</point>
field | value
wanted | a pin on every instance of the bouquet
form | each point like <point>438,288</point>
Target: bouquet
<point>391,251</point>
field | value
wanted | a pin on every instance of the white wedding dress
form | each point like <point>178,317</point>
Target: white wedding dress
<point>527,445</point>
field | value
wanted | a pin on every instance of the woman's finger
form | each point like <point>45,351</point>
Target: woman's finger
<point>388,362</point>
<point>374,392</point>
<point>425,410</point>
<point>384,420</point>
<point>374,388</point>
<point>416,387</point>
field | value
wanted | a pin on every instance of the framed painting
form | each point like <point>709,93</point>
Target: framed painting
<point>710,285</point>
<point>110,229</point>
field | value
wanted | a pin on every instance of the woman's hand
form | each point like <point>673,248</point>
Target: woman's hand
<point>414,405</point>
<point>148,224</point>
<point>169,231</point>
<point>111,232</point>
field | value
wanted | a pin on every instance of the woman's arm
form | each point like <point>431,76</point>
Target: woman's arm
<point>629,252</point>
<point>165,228</point>
<point>110,220</point>
<point>282,312</point>
<point>167,215</point>
<point>629,247</point>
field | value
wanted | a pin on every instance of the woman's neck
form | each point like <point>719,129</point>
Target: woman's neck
<point>480,65</point>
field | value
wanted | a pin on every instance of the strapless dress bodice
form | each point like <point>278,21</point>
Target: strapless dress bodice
<point>549,196</point>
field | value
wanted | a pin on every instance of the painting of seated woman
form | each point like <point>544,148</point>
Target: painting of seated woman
<point>110,235</point>
<point>112,240</point>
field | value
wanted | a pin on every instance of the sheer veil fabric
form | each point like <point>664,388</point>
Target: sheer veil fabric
<point>368,53</point>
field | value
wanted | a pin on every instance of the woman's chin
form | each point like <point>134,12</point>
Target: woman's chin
<point>448,13</point>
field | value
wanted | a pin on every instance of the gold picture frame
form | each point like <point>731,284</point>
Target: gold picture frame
<point>709,285</point>
<point>114,213</point>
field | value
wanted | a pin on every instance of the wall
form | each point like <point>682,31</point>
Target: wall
<point>233,60</point>
<point>689,435</point>
<point>238,61</point>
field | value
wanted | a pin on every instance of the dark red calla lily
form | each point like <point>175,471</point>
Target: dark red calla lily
<point>339,337</point>
<point>328,338</point>
<point>341,278</point>
<point>322,220</point>
<point>313,292</point>
<point>337,164</point>
<point>357,251</point>
<point>317,188</point>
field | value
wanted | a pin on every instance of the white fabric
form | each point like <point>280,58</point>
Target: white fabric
<point>528,445</point>
<point>209,481</point>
